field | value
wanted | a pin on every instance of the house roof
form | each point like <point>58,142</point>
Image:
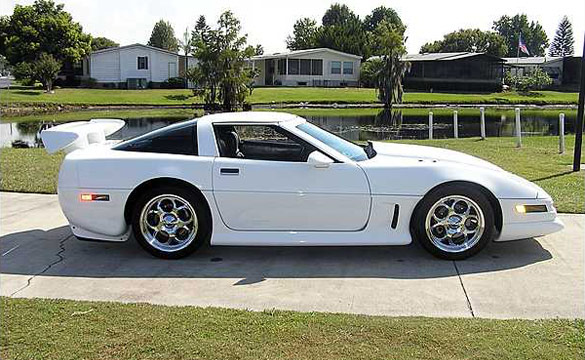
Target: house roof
<point>303,52</point>
<point>134,45</point>
<point>533,60</point>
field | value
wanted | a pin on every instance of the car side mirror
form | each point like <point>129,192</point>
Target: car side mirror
<point>319,160</point>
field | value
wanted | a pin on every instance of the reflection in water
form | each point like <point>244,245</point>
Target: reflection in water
<point>384,125</point>
<point>400,124</point>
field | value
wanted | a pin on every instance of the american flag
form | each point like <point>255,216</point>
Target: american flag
<point>522,46</point>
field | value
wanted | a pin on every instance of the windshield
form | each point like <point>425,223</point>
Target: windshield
<point>347,148</point>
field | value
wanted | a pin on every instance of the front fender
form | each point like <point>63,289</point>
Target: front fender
<point>417,177</point>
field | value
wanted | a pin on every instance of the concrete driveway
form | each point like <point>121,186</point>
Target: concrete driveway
<point>531,278</point>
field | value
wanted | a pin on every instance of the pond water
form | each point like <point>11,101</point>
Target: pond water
<point>351,124</point>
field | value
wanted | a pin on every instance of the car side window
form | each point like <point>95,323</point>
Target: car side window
<point>260,142</point>
<point>180,140</point>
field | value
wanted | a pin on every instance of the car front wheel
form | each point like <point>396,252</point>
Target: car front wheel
<point>454,222</point>
<point>169,222</point>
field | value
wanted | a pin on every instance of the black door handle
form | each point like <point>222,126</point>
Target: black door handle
<point>229,171</point>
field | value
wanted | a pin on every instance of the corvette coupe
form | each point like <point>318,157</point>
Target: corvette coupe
<point>274,179</point>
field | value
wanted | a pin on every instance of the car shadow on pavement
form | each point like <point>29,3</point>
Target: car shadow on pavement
<point>57,253</point>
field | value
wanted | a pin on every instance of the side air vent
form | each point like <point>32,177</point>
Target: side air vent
<point>395,216</point>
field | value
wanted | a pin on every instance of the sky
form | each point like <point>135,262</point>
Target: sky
<point>269,22</point>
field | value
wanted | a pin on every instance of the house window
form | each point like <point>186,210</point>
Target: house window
<point>142,62</point>
<point>316,67</point>
<point>348,67</point>
<point>281,66</point>
<point>336,67</point>
<point>293,66</point>
<point>306,67</point>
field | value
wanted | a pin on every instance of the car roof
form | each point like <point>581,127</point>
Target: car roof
<point>248,117</point>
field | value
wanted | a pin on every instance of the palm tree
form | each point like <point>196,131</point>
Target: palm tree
<point>389,68</point>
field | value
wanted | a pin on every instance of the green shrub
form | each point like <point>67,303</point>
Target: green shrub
<point>536,80</point>
<point>173,83</point>
<point>89,83</point>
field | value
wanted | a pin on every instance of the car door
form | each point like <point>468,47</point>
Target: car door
<point>276,189</point>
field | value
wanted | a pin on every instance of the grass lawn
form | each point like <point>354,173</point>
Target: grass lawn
<point>33,170</point>
<point>59,329</point>
<point>29,170</point>
<point>267,95</point>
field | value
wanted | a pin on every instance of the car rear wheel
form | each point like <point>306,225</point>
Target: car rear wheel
<point>454,222</point>
<point>170,223</point>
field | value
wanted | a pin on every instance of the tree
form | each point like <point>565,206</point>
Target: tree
<point>4,28</point>
<point>389,69</point>
<point>100,42</point>
<point>163,36</point>
<point>349,37</point>
<point>343,30</point>
<point>563,42</point>
<point>383,13</point>
<point>304,35</point>
<point>337,14</point>
<point>471,40</point>
<point>45,69</point>
<point>259,50</point>
<point>369,72</point>
<point>223,77</point>
<point>533,34</point>
<point>42,27</point>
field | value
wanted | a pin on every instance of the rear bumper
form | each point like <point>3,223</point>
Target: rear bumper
<point>96,220</point>
<point>86,235</point>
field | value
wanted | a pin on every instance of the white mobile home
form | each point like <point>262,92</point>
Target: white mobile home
<point>133,66</point>
<point>311,67</point>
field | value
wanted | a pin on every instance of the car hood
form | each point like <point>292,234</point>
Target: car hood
<point>488,174</point>
<point>430,153</point>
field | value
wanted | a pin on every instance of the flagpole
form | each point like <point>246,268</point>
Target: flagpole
<point>517,59</point>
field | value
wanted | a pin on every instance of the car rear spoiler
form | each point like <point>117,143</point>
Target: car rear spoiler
<point>79,134</point>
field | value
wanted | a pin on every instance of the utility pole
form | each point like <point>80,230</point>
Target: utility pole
<point>579,120</point>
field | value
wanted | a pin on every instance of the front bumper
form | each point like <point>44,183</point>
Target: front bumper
<point>518,225</point>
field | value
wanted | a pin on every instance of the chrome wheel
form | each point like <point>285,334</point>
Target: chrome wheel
<point>455,223</point>
<point>168,223</point>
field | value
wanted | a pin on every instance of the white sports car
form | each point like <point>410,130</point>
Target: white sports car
<point>268,179</point>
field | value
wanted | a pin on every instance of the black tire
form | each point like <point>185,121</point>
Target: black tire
<point>197,202</point>
<point>419,219</point>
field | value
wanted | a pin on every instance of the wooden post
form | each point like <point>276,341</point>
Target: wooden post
<point>561,133</point>
<point>455,125</point>
<point>482,122</point>
<point>430,125</point>
<point>518,129</point>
